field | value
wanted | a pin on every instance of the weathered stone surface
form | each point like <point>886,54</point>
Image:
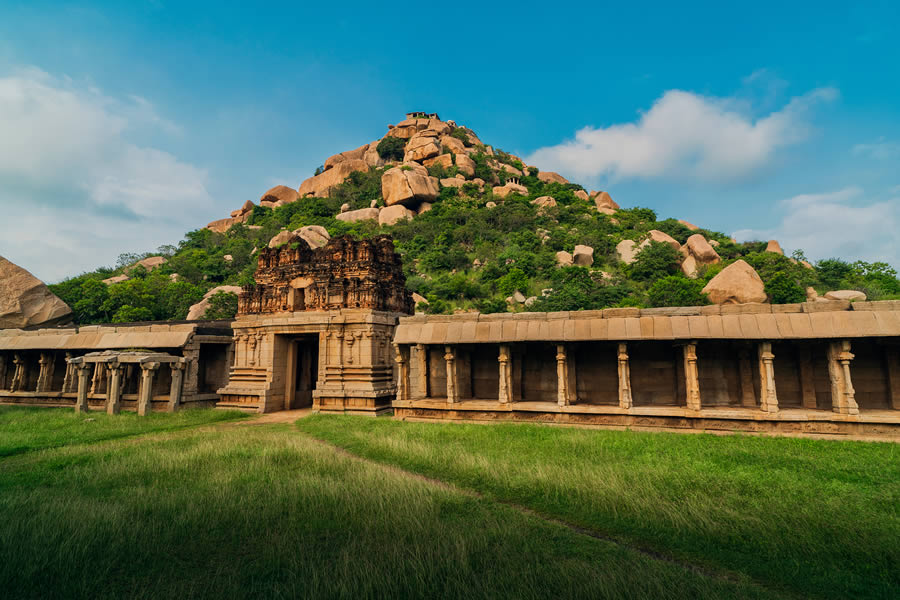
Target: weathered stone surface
<point>454,145</point>
<point>424,207</point>
<point>452,182</point>
<point>551,177</point>
<point>279,196</point>
<point>438,126</point>
<point>738,283</point>
<point>424,144</point>
<point>150,263</point>
<point>345,207</point>
<point>583,255</point>
<point>118,279</point>
<point>626,251</point>
<point>196,311</point>
<point>564,259</point>
<point>544,201</point>
<point>509,169</point>
<point>321,184</point>
<point>774,246</point>
<point>357,154</point>
<point>419,299</point>
<point>701,250</point>
<point>371,156</point>
<point>604,202</point>
<point>510,188</point>
<point>465,164</point>
<point>583,195</point>
<point>445,160</point>
<point>363,214</point>
<point>811,294</point>
<point>392,214</point>
<point>282,237</point>
<point>850,295</point>
<point>314,235</point>
<point>490,205</point>
<point>689,266</point>
<point>408,186</point>
<point>655,235</point>
<point>222,225</point>
<point>690,226</point>
<point>25,301</point>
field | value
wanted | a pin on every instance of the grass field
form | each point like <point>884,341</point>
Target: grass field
<point>177,506</point>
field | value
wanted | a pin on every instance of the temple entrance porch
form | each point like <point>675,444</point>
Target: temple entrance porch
<point>303,370</point>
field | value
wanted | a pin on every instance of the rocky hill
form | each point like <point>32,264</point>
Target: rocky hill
<point>479,230</point>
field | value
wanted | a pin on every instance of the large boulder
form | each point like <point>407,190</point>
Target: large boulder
<point>453,182</point>
<point>392,214</point>
<point>222,225</point>
<point>196,311</point>
<point>655,235</point>
<point>738,283</point>
<point>121,278</point>
<point>465,164</point>
<point>689,267</point>
<point>314,235</point>
<point>690,226</point>
<point>551,177</point>
<point>357,154</point>
<point>701,250</point>
<point>408,184</point>
<point>422,146</point>
<point>363,214</point>
<point>850,295</point>
<point>281,238</point>
<point>26,302</point>
<point>456,146</point>
<point>371,156</point>
<point>444,160</point>
<point>581,195</point>
<point>278,196</point>
<point>509,169</point>
<point>583,255</point>
<point>626,251</point>
<point>544,202</point>
<point>774,246</point>
<point>150,263</point>
<point>510,188</point>
<point>564,259</point>
<point>321,184</point>
<point>604,202</point>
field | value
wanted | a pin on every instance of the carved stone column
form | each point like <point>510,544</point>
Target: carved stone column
<point>83,371</point>
<point>452,389</point>
<point>422,364</point>
<point>145,392</point>
<point>251,351</point>
<point>625,400</point>
<point>503,359</point>
<point>98,378</point>
<point>19,375</point>
<point>69,378</point>
<point>175,389</point>
<point>562,376</point>
<point>402,374</point>
<point>691,377</point>
<point>768,397</point>
<point>843,396</point>
<point>114,387</point>
<point>45,375</point>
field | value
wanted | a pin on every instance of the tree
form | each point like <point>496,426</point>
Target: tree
<point>514,281</point>
<point>222,305</point>
<point>655,261</point>
<point>677,290</point>
<point>783,289</point>
<point>391,148</point>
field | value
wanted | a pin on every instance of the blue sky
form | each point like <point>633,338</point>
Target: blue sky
<point>125,124</point>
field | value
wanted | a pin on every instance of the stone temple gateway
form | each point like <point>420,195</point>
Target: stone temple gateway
<point>331,328</point>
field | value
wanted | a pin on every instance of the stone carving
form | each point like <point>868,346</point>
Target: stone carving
<point>342,274</point>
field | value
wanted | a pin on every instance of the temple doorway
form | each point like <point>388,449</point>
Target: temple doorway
<point>303,371</point>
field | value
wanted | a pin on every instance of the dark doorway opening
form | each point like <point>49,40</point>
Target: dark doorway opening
<point>304,365</point>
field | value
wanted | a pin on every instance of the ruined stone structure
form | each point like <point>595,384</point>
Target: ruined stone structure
<point>316,328</point>
<point>826,368</point>
<point>142,367</point>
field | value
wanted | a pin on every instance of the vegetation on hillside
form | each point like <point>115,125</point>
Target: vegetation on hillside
<point>461,255</point>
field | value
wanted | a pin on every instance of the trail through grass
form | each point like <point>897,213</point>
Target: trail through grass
<point>810,517</point>
<point>265,511</point>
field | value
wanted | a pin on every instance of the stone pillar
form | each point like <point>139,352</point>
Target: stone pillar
<point>745,367</point>
<point>98,378</point>
<point>251,351</point>
<point>402,374</point>
<point>562,376</point>
<point>69,378</point>
<point>625,400</point>
<point>768,397</point>
<point>503,359</point>
<point>691,377</point>
<point>83,370</point>
<point>176,388</point>
<point>807,380</point>
<point>843,396</point>
<point>452,388</point>
<point>422,364</point>
<point>114,388</point>
<point>892,364</point>
<point>45,375</point>
<point>19,375</point>
<point>3,366</point>
<point>145,391</point>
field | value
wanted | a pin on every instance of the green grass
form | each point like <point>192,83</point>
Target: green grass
<point>264,511</point>
<point>813,518</point>
<point>24,429</point>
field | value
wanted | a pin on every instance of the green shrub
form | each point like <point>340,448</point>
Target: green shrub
<point>655,261</point>
<point>391,148</point>
<point>677,290</point>
<point>783,289</point>
<point>222,305</point>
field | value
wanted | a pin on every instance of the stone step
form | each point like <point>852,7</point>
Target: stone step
<point>250,408</point>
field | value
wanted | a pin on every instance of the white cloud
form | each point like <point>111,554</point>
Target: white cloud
<point>879,150</point>
<point>684,135</point>
<point>78,186</point>
<point>844,224</point>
